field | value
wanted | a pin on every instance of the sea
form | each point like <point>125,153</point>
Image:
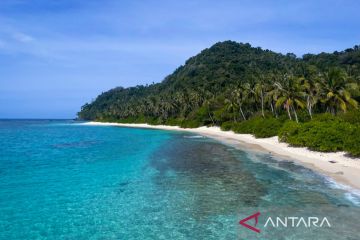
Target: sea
<point>62,179</point>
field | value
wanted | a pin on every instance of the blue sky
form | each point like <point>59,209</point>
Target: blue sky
<point>57,55</point>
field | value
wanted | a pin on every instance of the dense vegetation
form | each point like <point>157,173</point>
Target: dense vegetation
<point>310,101</point>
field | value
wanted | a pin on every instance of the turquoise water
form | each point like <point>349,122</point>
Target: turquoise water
<point>64,180</point>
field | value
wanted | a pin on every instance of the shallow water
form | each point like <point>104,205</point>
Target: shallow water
<point>63,180</point>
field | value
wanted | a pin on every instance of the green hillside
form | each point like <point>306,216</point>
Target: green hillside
<point>250,90</point>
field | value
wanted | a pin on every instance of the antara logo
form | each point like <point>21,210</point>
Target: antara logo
<point>286,222</point>
<point>256,216</point>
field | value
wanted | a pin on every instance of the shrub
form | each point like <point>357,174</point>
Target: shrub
<point>221,115</point>
<point>130,120</point>
<point>352,142</point>
<point>351,116</point>
<point>267,127</point>
<point>260,127</point>
<point>190,124</point>
<point>288,130</point>
<point>303,116</point>
<point>140,119</point>
<point>325,117</point>
<point>322,134</point>
<point>153,121</point>
<point>173,121</point>
<point>244,127</point>
<point>227,126</point>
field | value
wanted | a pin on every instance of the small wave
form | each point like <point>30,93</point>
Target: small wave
<point>75,144</point>
<point>353,195</point>
<point>197,136</point>
<point>354,198</point>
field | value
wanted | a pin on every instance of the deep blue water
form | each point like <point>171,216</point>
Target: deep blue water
<point>65,180</point>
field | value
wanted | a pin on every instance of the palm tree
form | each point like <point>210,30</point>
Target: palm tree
<point>290,96</point>
<point>207,104</point>
<point>231,106</point>
<point>260,89</point>
<point>195,99</point>
<point>271,97</point>
<point>251,95</point>
<point>241,94</point>
<point>311,90</point>
<point>335,91</point>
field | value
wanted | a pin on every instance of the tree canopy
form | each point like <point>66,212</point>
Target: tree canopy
<point>233,81</point>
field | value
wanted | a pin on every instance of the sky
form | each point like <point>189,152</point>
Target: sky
<point>56,55</point>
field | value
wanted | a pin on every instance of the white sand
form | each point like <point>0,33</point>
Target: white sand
<point>345,170</point>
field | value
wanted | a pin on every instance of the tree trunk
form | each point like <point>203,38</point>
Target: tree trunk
<point>212,120</point>
<point>309,106</point>
<point>242,113</point>
<point>288,111</point>
<point>276,114</point>
<point>296,117</point>
<point>272,109</point>
<point>262,105</point>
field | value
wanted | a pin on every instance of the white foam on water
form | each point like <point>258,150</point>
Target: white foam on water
<point>353,198</point>
<point>197,136</point>
<point>353,195</point>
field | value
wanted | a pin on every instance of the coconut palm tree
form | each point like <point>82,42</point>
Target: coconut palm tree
<point>241,94</point>
<point>207,104</point>
<point>311,89</point>
<point>260,89</point>
<point>251,96</point>
<point>335,91</point>
<point>290,96</point>
<point>271,98</point>
<point>231,106</point>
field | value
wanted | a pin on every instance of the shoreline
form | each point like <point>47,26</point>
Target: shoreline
<point>344,170</point>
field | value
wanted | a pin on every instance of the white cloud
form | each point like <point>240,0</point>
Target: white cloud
<point>2,43</point>
<point>22,37</point>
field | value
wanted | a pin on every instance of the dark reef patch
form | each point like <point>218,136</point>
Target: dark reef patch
<point>209,172</point>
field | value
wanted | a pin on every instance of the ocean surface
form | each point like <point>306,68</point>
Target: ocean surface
<point>65,180</point>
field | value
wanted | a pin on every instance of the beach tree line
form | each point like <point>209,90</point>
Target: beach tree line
<point>247,90</point>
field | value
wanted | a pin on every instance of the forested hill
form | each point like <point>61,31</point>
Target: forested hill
<point>310,101</point>
<point>211,87</point>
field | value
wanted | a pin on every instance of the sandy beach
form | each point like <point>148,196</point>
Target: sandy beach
<point>344,170</point>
